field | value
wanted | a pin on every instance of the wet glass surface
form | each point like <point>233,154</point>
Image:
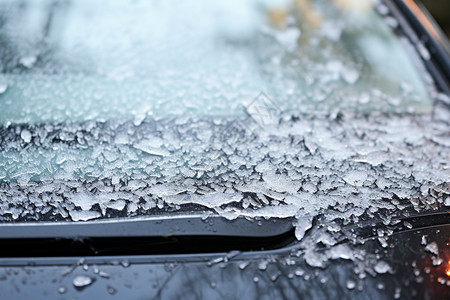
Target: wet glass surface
<point>243,109</point>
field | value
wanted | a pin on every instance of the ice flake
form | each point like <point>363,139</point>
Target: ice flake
<point>340,251</point>
<point>302,224</point>
<point>84,215</point>
<point>281,183</point>
<point>315,259</point>
<point>28,61</point>
<point>374,158</point>
<point>117,205</point>
<point>350,76</point>
<point>423,51</point>
<point>212,200</point>
<point>151,150</point>
<point>432,248</point>
<point>355,178</point>
<point>83,200</point>
<point>168,189</point>
<point>288,38</point>
<point>3,86</point>
<point>447,201</point>
<point>82,281</point>
<point>26,136</point>
<point>309,187</point>
<point>423,240</point>
<point>350,284</point>
<point>382,267</point>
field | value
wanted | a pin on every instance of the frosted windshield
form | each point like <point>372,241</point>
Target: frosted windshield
<point>238,108</point>
<point>101,60</point>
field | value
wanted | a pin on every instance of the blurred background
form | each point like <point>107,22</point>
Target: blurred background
<point>440,9</point>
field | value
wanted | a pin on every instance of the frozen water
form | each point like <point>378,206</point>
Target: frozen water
<point>117,205</point>
<point>447,201</point>
<point>288,38</point>
<point>83,200</point>
<point>315,259</point>
<point>350,284</point>
<point>111,290</point>
<point>382,267</point>
<point>350,76</point>
<point>432,248</point>
<point>437,261</point>
<point>3,86</point>
<point>341,251</point>
<point>84,215</point>
<point>26,136</point>
<point>424,240</point>
<point>82,281</point>
<point>302,225</point>
<point>28,61</point>
<point>152,147</point>
<point>281,183</point>
<point>95,132</point>
<point>423,51</point>
<point>356,178</point>
<point>270,174</point>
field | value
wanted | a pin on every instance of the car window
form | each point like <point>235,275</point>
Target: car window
<point>281,109</point>
<point>101,60</point>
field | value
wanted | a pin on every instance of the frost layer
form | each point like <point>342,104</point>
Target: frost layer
<point>303,166</point>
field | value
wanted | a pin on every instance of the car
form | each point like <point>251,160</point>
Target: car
<point>223,149</point>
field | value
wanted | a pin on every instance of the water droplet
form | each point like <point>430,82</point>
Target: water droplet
<point>424,240</point>
<point>382,267</point>
<point>3,87</point>
<point>423,51</point>
<point>432,248</point>
<point>383,242</point>
<point>350,76</point>
<point>125,263</point>
<point>437,261</point>
<point>299,272</point>
<point>243,265</point>
<point>103,274</point>
<point>62,289</point>
<point>26,136</point>
<point>215,261</point>
<point>111,290</point>
<point>262,265</point>
<point>28,61</point>
<point>408,225</point>
<point>275,276</point>
<point>82,281</point>
<point>351,284</point>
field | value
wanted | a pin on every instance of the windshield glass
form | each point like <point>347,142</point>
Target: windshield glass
<point>242,108</point>
<point>67,61</point>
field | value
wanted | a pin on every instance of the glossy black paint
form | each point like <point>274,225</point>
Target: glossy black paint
<point>198,277</point>
<point>286,275</point>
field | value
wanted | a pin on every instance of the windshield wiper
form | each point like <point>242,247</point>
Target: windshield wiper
<point>149,226</point>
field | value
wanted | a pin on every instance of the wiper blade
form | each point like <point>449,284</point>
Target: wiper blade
<point>151,226</point>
